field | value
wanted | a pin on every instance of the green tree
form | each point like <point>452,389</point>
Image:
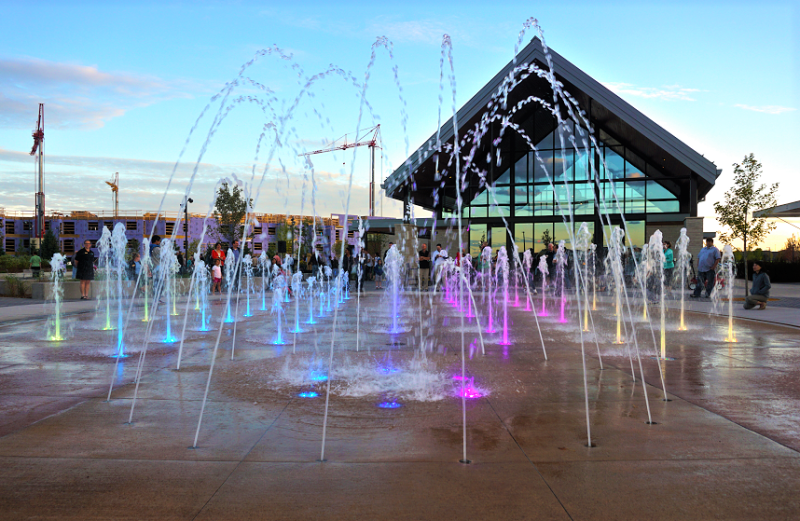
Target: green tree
<point>229,211</point>
<point>375,242</point>
<point>546,239</point>
<point>193,247</point>
<point>736,212</point>
<point>49,245</point>
<point>133,248</point>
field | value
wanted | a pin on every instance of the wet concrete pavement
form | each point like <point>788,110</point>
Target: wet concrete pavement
<point>726,445</point>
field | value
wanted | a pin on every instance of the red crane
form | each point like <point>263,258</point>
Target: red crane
<point>38,145</point>
<point>369,138</point>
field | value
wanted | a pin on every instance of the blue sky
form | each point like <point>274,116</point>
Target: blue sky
<point>124,83</point>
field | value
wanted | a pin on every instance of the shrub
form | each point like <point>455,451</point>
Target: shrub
<point>15,287</point>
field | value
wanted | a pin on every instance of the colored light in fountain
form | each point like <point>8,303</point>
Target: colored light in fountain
<point>387,369</point>
<point>318,377</point>
<point>308,394</point>
<point>56,338</point>
<point>117,355</point>
<point>170,339</point>
<point>310,321</point>
<point>390,405</point>
<point>470,393</point>
<point>247,315</point>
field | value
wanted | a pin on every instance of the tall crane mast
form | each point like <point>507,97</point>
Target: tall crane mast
<point>114,184</point>
<point>370,138</point>
<point>38,145</point>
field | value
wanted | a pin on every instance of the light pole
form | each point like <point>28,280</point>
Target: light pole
<point>186,225</point>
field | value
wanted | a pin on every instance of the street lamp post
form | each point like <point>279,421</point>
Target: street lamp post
<point>186,225</point>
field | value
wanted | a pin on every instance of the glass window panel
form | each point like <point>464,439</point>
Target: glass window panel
<point>632,172</point>
<point>666,206</point>
<point>615,165</point>
<point>465,211</point>
<point>477,234</point>
<point>498,237</point>
<point>563,199</point>
<point>636,233</point>
<point>504,179</point>
<point>543,200</point>
<point>542,231</point>
<point>634,197</point>
<point>562,165</point>
<point>521,195</point>
<point>500,195</point>
<point>581,170</point>
<point>500,211</point>
<point>583,203</point>
<point>608,196</point>
<point>521,170</point>
<point>523,236</point>
<point>546,143</point>
<point>561,233</point>
<point>481,198</point>
<point>634,163</point>
<point>477,211</point>
<point>543,167</point>
<point>656,191</point>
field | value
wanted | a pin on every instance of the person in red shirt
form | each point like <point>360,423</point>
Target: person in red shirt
<point>218,253</point>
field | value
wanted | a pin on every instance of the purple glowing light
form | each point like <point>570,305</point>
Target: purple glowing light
<point>470,393</point>
<point>390,405</point>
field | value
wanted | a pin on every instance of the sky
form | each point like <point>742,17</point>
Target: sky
<point>133,88</point>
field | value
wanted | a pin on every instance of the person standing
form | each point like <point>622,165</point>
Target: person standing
<point>36,265</point>
<point>759,293</point>
<point>84,263</point>
<point>424,266</point>
<point>218,253</point>
<point>236,265</point>
<point>707,262</point>
<point>216,276</point>
<point>669,263</point>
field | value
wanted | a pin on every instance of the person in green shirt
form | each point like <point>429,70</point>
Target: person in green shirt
<point>36,265</point>
<point>669,263</point>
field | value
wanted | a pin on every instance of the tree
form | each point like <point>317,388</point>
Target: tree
<point>546,239</point>
<point>133,249</point>
<point>49,245</point>
<point>791,248</point>
<point>736,212</point>
<point>229,211</point>
<point>193,248</point>
<point>375,242</point>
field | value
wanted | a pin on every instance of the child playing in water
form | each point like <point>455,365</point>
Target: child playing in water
<point>216,274</point>
<point>379,274</point>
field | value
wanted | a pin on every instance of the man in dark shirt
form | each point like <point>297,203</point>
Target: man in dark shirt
<point>84,260</point>
<point>424,266</point>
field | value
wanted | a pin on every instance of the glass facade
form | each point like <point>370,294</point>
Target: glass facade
<point>535,190</point>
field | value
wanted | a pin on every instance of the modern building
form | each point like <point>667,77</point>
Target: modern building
<point>74,228</point>
<point>522,174</point>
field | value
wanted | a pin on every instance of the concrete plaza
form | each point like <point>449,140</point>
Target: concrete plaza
<point>725,446</point>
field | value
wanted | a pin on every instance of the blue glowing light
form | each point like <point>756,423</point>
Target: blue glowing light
<point>390,405</point>
<point>318,377</point>
<point>170,340</point>
<point>309,394</point>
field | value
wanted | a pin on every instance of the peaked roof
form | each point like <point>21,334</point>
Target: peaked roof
<point>627,118</point>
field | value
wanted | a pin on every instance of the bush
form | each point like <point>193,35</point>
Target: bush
<point>777,271</point>
<point>14,263</point>
<point>15,287</point>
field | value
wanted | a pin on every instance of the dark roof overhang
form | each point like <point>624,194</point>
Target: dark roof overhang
<point>419,177</point>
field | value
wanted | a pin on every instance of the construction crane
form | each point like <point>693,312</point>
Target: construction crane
<point>369,138</point>
<point>114,184</point>
<point>38,146</point>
